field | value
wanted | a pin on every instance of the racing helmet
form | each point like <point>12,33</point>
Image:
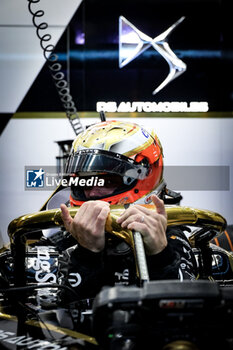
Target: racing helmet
<point>127,159</point>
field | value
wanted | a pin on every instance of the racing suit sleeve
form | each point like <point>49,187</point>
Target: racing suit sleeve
<point>176,261</point>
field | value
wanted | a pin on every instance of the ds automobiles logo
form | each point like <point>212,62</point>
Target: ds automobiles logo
<point>133,42</point>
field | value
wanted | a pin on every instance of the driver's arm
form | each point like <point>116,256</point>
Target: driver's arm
<point>169,255</point>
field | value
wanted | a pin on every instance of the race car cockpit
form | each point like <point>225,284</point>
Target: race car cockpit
<point>154,314</point>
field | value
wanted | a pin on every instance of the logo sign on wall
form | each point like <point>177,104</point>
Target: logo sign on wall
<point>133,42</point>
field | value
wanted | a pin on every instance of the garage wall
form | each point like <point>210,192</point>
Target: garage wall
<point>21,57</point>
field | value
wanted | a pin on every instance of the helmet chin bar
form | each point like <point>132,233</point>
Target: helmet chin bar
<point>159,191</point>
<point>167,195</point>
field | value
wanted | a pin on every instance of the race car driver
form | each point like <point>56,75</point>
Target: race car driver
<point>129,160</point>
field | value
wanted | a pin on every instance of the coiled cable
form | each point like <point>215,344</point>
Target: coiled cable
<point>55,68</point>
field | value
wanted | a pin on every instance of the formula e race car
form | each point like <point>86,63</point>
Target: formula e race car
<point>168,315</point>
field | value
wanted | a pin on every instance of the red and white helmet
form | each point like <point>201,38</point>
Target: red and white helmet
<point>123,154</point>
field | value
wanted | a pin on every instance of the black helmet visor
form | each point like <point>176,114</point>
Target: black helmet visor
<point>100,161</point>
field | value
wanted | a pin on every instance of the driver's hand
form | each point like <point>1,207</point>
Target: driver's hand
<point>150,223</point>
<point>88,225</point>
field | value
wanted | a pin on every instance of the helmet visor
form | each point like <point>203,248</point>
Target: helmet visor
<point>100,161</point>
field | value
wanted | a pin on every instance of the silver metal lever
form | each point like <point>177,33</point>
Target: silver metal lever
<point>140,257</point>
